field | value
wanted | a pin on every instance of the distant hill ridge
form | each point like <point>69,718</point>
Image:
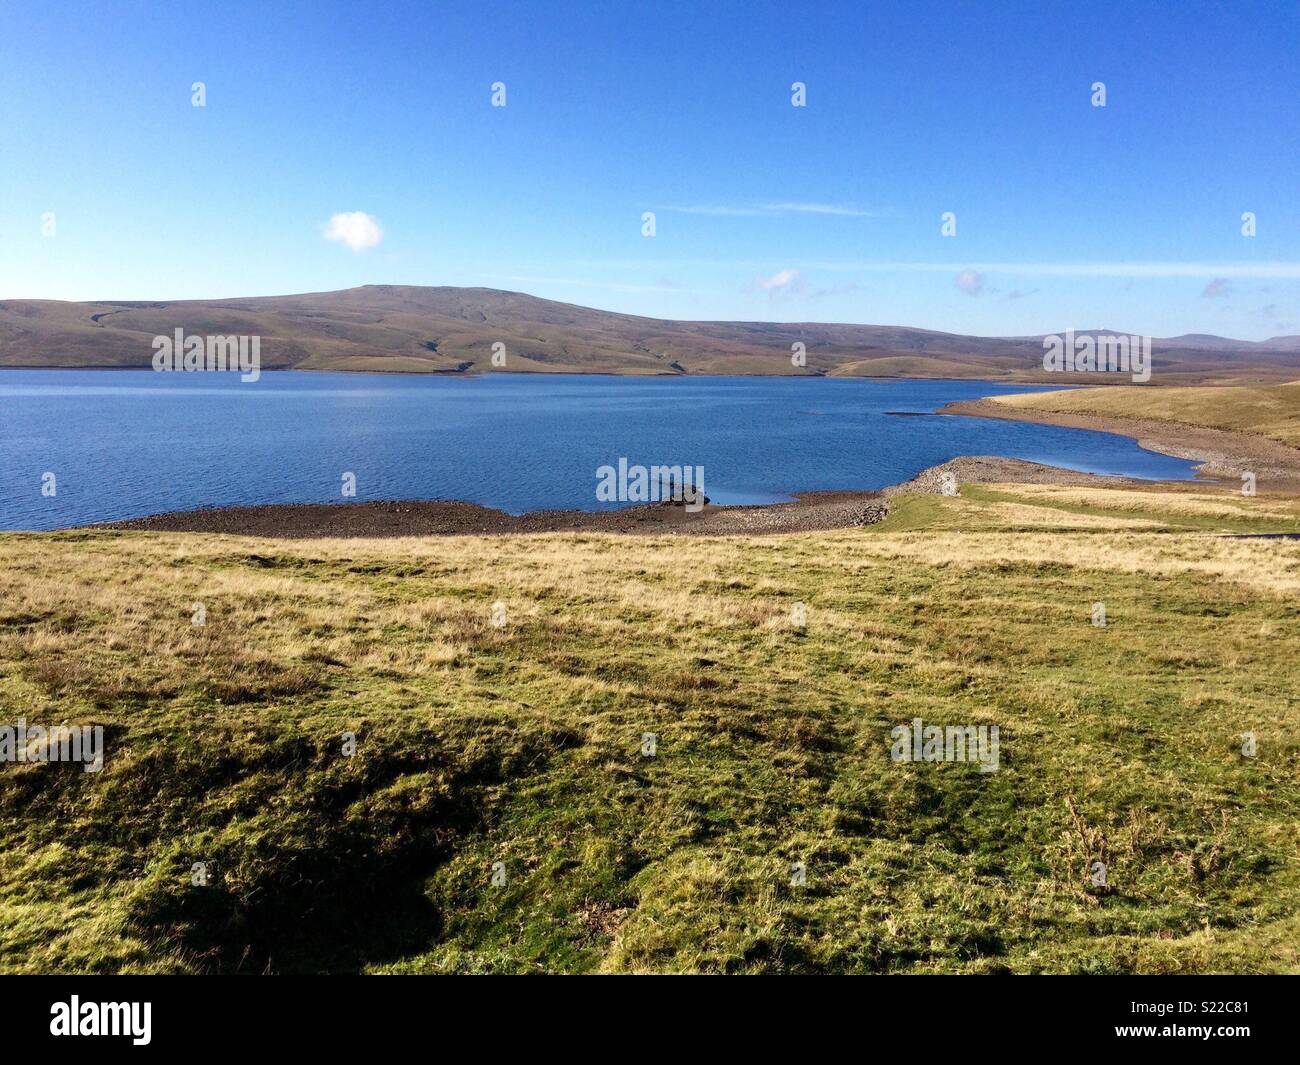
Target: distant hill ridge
<point>415,329</point>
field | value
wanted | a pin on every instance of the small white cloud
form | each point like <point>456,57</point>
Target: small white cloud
<point>782,279</point>
<point>970,282</point>
<point>1216,288</point>
<point>356,229</point>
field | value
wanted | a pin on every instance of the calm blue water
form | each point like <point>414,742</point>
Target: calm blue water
<point>129,443</point>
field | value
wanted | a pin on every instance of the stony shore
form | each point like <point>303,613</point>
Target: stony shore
<point>809,512</point>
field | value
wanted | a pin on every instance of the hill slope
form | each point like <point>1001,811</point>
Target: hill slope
<point>390,328</point>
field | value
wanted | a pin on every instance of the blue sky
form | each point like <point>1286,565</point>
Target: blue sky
<point>1125,217</point>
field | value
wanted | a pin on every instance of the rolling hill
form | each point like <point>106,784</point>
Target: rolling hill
<point>409,329</point>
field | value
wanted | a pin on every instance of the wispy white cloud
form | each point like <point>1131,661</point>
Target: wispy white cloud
<point>1221,271</point>
<point>836,209</point>
<point>818,208</point>
<point>779,280</point>
<point>727,212</point>
<point>834,290</point>
<point>1198,270</point>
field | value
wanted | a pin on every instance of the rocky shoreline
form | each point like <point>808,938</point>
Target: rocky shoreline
<point>811,511</point>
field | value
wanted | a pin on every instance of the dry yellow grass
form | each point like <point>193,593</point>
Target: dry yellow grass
<point>1180,501</point>
<point>1264,410</point>
<point>1264,566</point>
<point>519,744</point>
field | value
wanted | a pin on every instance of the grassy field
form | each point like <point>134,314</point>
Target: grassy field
<point>514,753</point>
<point>1265,410</point>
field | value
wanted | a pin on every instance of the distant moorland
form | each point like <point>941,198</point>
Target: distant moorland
<point>410,329</point>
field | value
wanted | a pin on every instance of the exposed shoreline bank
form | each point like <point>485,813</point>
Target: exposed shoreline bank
<point>810,511</point>
<point>1219,454</point>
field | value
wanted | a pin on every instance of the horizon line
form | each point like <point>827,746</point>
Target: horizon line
<point>1077,330</point>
